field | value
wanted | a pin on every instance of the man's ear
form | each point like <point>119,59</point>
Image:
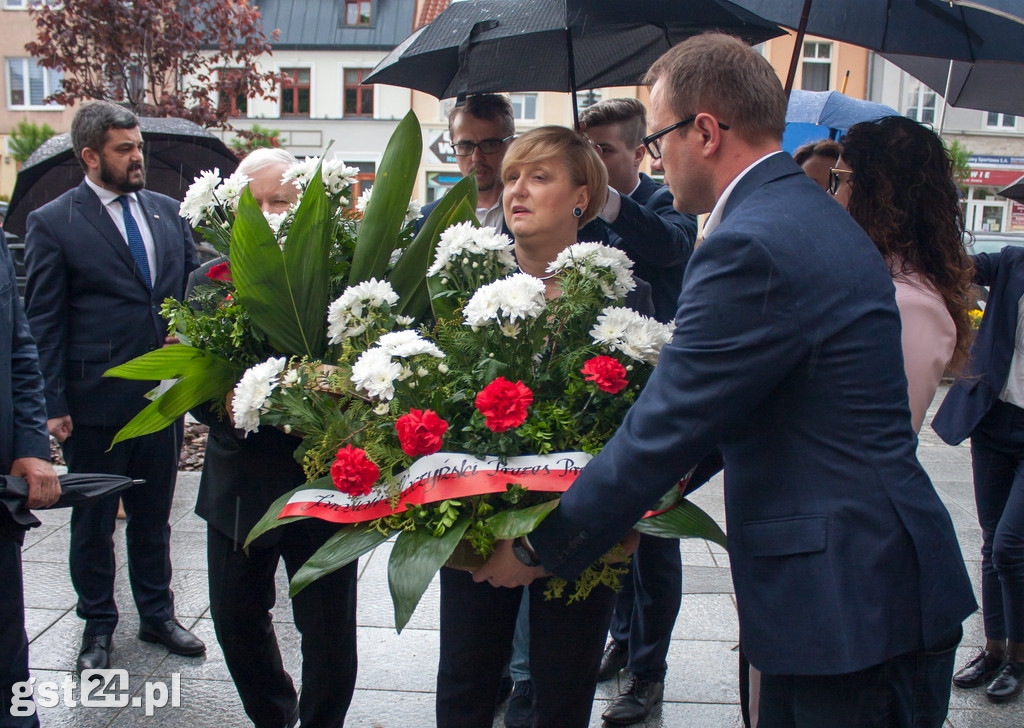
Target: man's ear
<point>91,158</point>
<point>638,155</point>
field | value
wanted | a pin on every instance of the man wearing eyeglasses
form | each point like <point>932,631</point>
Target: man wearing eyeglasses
<point>850,585</point>
<point>480,131</point>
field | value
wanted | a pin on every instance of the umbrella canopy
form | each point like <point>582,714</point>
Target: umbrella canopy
<point>833,109</point>
<point>1014,191</point>
<point>177,150</point>
<point>75,489</point>
<point>486,46</point>
<point>985,85</point>
<point>939,28</point>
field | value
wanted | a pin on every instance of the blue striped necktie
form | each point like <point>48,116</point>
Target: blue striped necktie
<point>135,244</point>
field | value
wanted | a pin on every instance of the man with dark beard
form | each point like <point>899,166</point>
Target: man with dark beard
<point>101,259</point>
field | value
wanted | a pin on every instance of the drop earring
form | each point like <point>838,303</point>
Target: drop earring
<point>577,212</point>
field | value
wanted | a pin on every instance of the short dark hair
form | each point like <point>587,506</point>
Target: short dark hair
<point>720,75</point>
<point>628,112</point>
<point>92,122</point>
<point>821,148</point>
<point>489,107</point>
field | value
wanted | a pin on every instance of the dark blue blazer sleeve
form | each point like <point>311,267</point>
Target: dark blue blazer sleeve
<point>655,232</point>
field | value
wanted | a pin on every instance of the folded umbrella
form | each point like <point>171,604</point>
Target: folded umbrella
<point>75,489</point>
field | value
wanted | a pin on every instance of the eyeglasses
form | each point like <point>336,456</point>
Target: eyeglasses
<point>834,179</point>
<point>486,146</point>
<point>652,144</point>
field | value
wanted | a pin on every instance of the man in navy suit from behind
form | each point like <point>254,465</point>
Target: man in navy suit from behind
<point>849,581</point>
<point>101,260</point>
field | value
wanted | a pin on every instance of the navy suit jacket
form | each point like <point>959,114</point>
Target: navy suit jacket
<point>656,237</point>
<point>786,355</point>
<point>22,407</point>
<point>978,386</point>
<point>88,305</point>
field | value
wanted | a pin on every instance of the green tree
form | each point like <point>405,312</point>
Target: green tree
<point>254,138</point>
<point>961,166</point>
<point>26,138</point>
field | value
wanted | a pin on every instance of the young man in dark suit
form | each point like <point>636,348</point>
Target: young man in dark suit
<point>850,585</point>
<point>101,259</point>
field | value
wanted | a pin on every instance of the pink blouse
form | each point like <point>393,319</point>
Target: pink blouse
<point>929,337</point>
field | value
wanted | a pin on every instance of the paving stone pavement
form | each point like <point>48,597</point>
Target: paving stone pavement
<point>396,672</point>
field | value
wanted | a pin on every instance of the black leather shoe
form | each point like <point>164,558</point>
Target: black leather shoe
<point>519,713</point>
<point>636,703</point>
<point>173,636</point>
<point>615,657</point>
<point>95,652</point>
<point>1008,683</point>
<point>978,671</point>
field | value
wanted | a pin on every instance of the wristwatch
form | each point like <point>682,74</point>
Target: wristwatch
<point>522,552</point>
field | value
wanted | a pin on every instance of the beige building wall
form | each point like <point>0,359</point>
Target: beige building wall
<point>19,29</point>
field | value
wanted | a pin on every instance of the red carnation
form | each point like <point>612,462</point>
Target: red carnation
<point>504,404</point>
<point>220,272</point>
<point>607,373</point>
<point>352,472</point>
<point>420,432</point>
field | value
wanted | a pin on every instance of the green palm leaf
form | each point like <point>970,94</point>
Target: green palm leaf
<point>415,560</point>
<point>385,213</point>
<point>285,291</point>
<point>201,377</point>
<point>684,521</point>
<point>270,519</point>
<point>342,548</point>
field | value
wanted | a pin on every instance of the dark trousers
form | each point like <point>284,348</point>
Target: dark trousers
<point>647,606</point>
<point>997,456</point>
<point>907,691</point>
<point>13,640</point>
<point>477,624</point>
<point>242,593</point>
<point>153,458</point>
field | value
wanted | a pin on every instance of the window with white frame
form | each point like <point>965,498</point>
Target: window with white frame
<point>816,66</point>
<point>28,84</point>
<point>994,120</point>
<point>524,106</point>
<point>921,103</point>
<point>23,4</point>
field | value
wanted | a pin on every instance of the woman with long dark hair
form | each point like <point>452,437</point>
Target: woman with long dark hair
<point>896,180</point>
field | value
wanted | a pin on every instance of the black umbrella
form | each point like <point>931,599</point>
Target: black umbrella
<point>76,489</point>
<point>985,85</point>
<point>1014,191</point>
<point>935,28</point>
<point>177,150</point>
<point>486,46</point>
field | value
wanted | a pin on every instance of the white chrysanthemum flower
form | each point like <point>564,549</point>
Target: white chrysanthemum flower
<point>520,296</point>
<point>375,373</point>
<point>408,343</point>
<point>252,392</point>
<point>337,175</point>
<point>290,378</point>
<point>413,211</point>
<point>364,198</point>
<point>300,173</point>
<point>231,189</point>
<point>275,220</point>
<point>200,196</point>
<point>585,257</point>
<point>463,239</point>
<point>345,315</point>
<point>638,337</point>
